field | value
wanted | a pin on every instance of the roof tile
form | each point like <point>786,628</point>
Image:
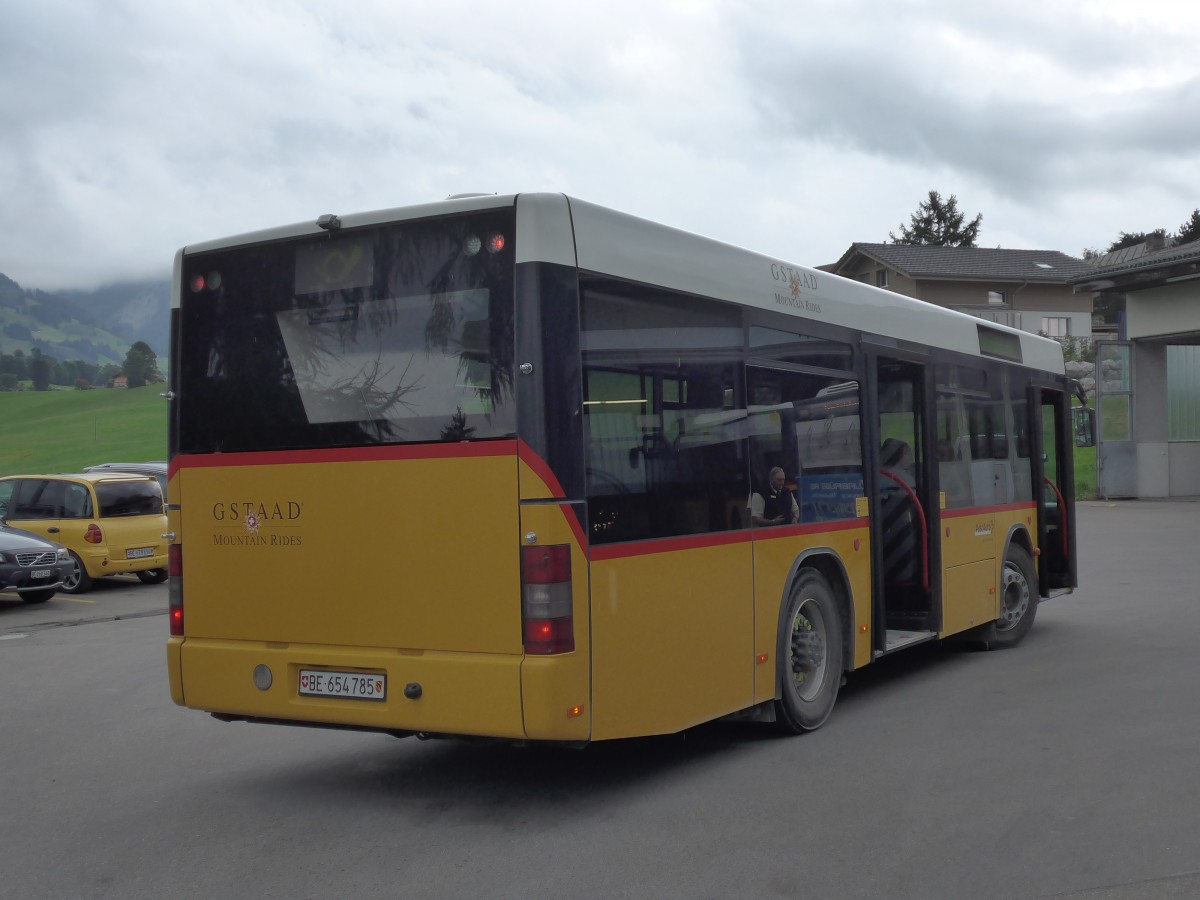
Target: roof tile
<point>922,261</point>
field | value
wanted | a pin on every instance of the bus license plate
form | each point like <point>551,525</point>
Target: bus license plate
<point>349,685</point>
<point>139,552</point>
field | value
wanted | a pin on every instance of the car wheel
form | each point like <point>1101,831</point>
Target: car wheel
<point>38,596</point>
<point>152,576</point>
<point>77,580</point>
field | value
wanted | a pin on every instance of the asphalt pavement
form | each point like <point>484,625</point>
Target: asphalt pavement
<point>1067,768</point>
<point>119,597</point>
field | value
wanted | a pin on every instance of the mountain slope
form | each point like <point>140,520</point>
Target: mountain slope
<point>96,326</point>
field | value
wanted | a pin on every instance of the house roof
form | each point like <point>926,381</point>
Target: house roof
<point>970,263</point>
<point>1142,269</point>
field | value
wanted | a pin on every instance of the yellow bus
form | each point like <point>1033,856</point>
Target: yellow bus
<point>527,468</point>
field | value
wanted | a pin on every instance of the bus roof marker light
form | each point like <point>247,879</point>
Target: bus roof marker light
<point>495,243</point>
<point>197,283</point>
<point>329,222</point>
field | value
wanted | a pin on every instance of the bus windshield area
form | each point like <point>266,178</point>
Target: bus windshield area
<point>397,334</point>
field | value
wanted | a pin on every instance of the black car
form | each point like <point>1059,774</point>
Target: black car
<point>31,565</point>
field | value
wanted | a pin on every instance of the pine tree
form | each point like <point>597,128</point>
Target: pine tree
<point>939,224</point>
<point>1133,238</point>
<point>1190,230</point>
<point>141,364</point>
<point>41,368</point>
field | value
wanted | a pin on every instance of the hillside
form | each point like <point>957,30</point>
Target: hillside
<point>95,326</point>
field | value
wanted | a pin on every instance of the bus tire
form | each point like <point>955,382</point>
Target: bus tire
<point>1018,601</point>
<point>77,581</point>
<point>809,654</point>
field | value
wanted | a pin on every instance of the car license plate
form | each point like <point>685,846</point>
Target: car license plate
<point>40,573</point>
<point>139,552</point>
<point>350,685</point>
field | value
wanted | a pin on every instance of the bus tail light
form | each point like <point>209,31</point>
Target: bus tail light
<point>175,588</point>
<point>546,599</point>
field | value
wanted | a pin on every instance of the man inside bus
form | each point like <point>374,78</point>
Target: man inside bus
<point>777,505</point>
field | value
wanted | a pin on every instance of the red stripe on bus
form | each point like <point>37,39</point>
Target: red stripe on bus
<point>984,510</point>
<point>541,469</point>
<point>723,539</point>
<point>470,450</point>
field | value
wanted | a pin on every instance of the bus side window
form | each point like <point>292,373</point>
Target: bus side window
<point>808,425</point>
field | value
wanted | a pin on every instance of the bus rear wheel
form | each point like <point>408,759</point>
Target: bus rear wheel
<point>809,654</point>
<point>1018,601</point>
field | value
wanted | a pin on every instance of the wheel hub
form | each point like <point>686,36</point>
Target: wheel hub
<point>1015,599</point>
<point>808,651</point>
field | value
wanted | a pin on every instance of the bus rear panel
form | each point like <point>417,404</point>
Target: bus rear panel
<point>346,478</point>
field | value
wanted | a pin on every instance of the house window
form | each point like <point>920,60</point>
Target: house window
<point>997,298</point>
<point>881,278</point>
<point>1056,326</point>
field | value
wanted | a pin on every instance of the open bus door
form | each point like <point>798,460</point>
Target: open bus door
<point>905,551</point>
<point>1055,473</point>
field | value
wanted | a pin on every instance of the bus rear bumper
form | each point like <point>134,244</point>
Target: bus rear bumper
<point>434,692</point>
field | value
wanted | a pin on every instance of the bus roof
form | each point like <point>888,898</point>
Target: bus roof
<point>625,246</point>
<point>618,244</point>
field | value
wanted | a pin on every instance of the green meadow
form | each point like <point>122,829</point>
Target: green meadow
<point>65,430</point>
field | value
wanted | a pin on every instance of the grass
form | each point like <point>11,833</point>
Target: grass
<point>63,431</point>
<point>1085,473</point>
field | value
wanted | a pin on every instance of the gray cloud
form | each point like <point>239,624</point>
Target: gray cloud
<point>912,100</point>
<point>133,128</point>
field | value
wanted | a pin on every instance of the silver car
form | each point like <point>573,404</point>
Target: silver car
<point>157,468</point>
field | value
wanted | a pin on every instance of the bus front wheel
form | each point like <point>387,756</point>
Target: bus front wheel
<point>1018,601</point>
<point>809,654</point>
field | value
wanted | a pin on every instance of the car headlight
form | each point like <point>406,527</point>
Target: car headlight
<point>63,554</point>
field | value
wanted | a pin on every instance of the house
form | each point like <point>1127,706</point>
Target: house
<point>1149,379</point>
<point>1032,290</point>
<point>120,381</point>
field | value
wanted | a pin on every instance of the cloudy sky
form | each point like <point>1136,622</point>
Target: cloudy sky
<point>129,128</point>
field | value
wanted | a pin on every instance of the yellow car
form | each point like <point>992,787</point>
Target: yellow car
<point>112,524</point>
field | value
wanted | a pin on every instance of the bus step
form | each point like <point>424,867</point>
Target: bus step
<point>897,640</point>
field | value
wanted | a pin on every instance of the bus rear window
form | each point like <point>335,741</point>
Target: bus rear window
<point>396,334</point>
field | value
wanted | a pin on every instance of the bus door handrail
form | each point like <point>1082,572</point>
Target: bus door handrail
<point>1062,512</point>
<point>924,525</point>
